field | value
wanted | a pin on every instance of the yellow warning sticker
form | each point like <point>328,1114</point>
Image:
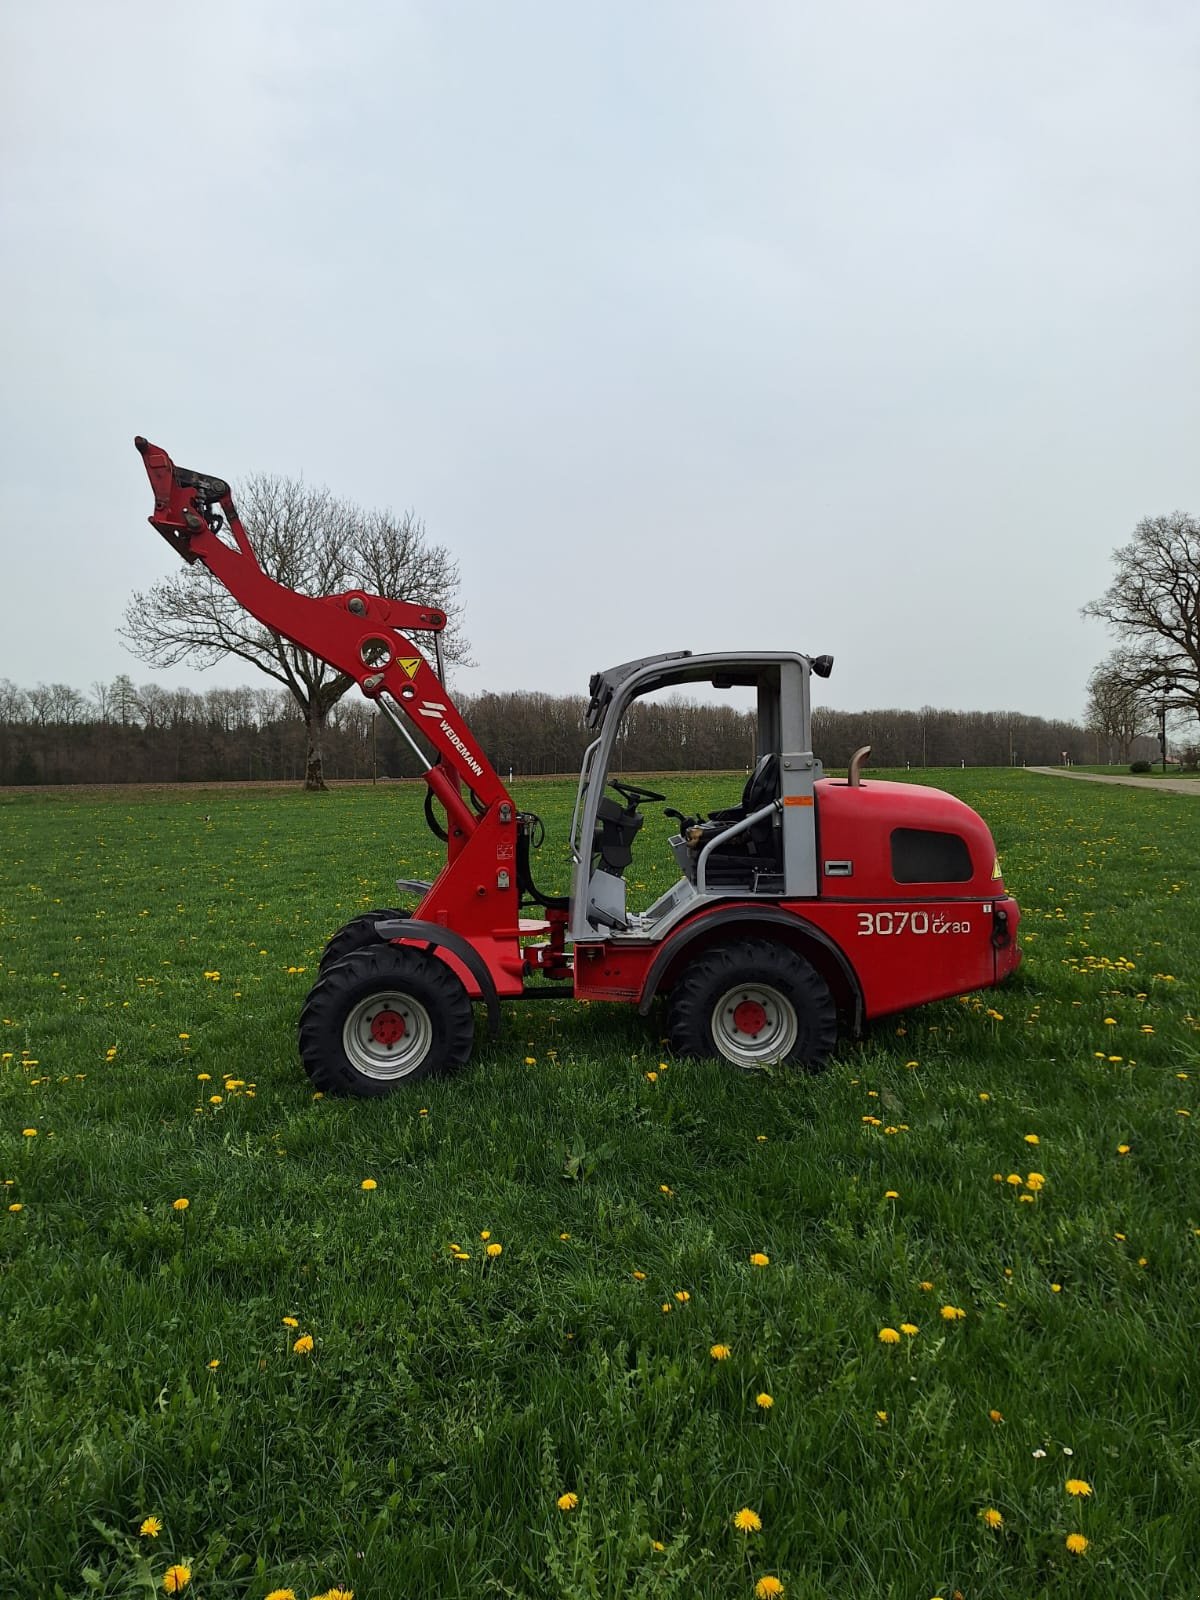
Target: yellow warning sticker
<point>996,868</point>
<point>410,664</point>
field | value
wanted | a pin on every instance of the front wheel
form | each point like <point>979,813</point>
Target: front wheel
<point>356,934</point>
<point>384,1015</point>
<point>753,1004</point>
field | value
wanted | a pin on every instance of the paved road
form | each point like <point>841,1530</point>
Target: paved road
<point>1171,785</point>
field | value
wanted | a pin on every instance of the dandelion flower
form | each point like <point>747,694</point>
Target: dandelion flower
<point>564,1237</point>
<point>640,1276</point>
<point>213,1365</point>
<point>682,1296</point>
<point>652,1077</point>
<point>888,1336</point>
<point>891,1194</point>
<point>764,1401</point>
<point>768,1587</point>
<point>29,1133</point>
<point>992,1517</point>
<point>1014,1178</point>
<point>16,1206</point>
<point>1032,1138</point>
<point>719,1352</point>
<point>1076,1543</point>
<point>760,1260</point>
<point>176,1579</point>
<point>495,1249</point>
<point>1079,1487</point>
<point>290,1322</point>
<point>368,1183</point>
<point>1035,1181</point>
<point>180,1205</point>
<point>747,1521</point>
<point>151,1528</point>
<point>485,1234</point>
<point>952,1313</point>
<point>908,1328</point>
<point>568,1501</point>
<point>282,1594</point>
<point>925,1285</point>
<point>1122,1149</point>
<point>881,1417</point>
<point>996,1416</point>
<point>303,1345</point>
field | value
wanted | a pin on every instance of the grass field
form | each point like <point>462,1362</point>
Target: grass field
<point>154,953</point>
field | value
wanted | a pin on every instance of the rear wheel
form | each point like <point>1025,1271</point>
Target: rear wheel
<point>357,934</point>
<point>754,1004</point>
<point>384,1015</point>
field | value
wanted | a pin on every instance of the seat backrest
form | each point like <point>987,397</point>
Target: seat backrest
<point>762,786</point>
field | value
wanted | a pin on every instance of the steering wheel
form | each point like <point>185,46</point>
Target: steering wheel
<point>634,795</point>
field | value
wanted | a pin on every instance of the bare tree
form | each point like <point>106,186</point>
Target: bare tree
<point>1153,604</point>
<point>1117,710</point>
<point>317,544</point>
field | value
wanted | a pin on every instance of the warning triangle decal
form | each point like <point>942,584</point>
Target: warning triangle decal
<point>410,664</point>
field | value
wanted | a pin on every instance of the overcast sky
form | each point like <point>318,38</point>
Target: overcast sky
<point>861,328</point>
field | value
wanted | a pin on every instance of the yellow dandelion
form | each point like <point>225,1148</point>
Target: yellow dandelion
<point>760,1260</point>
<point>996,1416</point>
<point>204,1077</point>
<point>180,1205</point>
<point>564,1237</point>
<point>1032,1138</point>
<point>531,1061</point>
<point>764,1401</point>
<point>652,1077</point>
<point>891,1194</point>
<point>282,1594</point>
<point>289,1322</point>
<point>213,1365</point>
<point>881,1418</point>
<point>952,1313</point>
<point>495,1249</point>
<point>992,1518</point>
<point>1035,1181</point>
<point>16,1206</point>
<point>682,1296</point>
<point>640,1276</point>
<point>1076,1543</point>
<point>1079,1487</point>
<point>925,1285</point>
<point>485,1234</point>
<point>176,1579</point>
<point>768,1587</point>
<point>29,1133</point>
<point>368,1183</point>
<point>747,1521</point>
<point>888,1336</point>
<point>151,1528</point>
<point>719,1352</point>
<point>908,1328</point>
<point>568,1501</point>
<point>1014,1178</point>
<point>1122,1149</point>
<point>303,1345</point>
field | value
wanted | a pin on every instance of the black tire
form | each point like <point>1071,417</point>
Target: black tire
<point>357,934</point>
<point>383,1016</point>
<point>754,1003</point>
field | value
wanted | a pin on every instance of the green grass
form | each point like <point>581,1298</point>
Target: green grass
<point>421,1447</point>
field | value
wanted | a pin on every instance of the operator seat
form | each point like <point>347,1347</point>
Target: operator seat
<point>748,855</point>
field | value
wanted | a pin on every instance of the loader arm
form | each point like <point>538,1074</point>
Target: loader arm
<point>363,635</point>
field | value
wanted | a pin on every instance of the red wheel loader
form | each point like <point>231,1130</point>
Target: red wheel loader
<point>807,909</point>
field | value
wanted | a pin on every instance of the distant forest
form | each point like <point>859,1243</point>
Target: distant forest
<point>125,733</point>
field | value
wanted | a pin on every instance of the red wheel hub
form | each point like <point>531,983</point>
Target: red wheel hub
<point>750,1016</point>
<point>387,1027</point>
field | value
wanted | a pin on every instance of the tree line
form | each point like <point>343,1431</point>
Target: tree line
<point>122,732</point>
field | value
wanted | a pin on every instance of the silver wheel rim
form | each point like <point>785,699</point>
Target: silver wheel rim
<point>754,1025</point>
<point>367,1031</point>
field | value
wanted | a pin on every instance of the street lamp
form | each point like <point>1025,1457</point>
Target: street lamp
<point>1162,730</point>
